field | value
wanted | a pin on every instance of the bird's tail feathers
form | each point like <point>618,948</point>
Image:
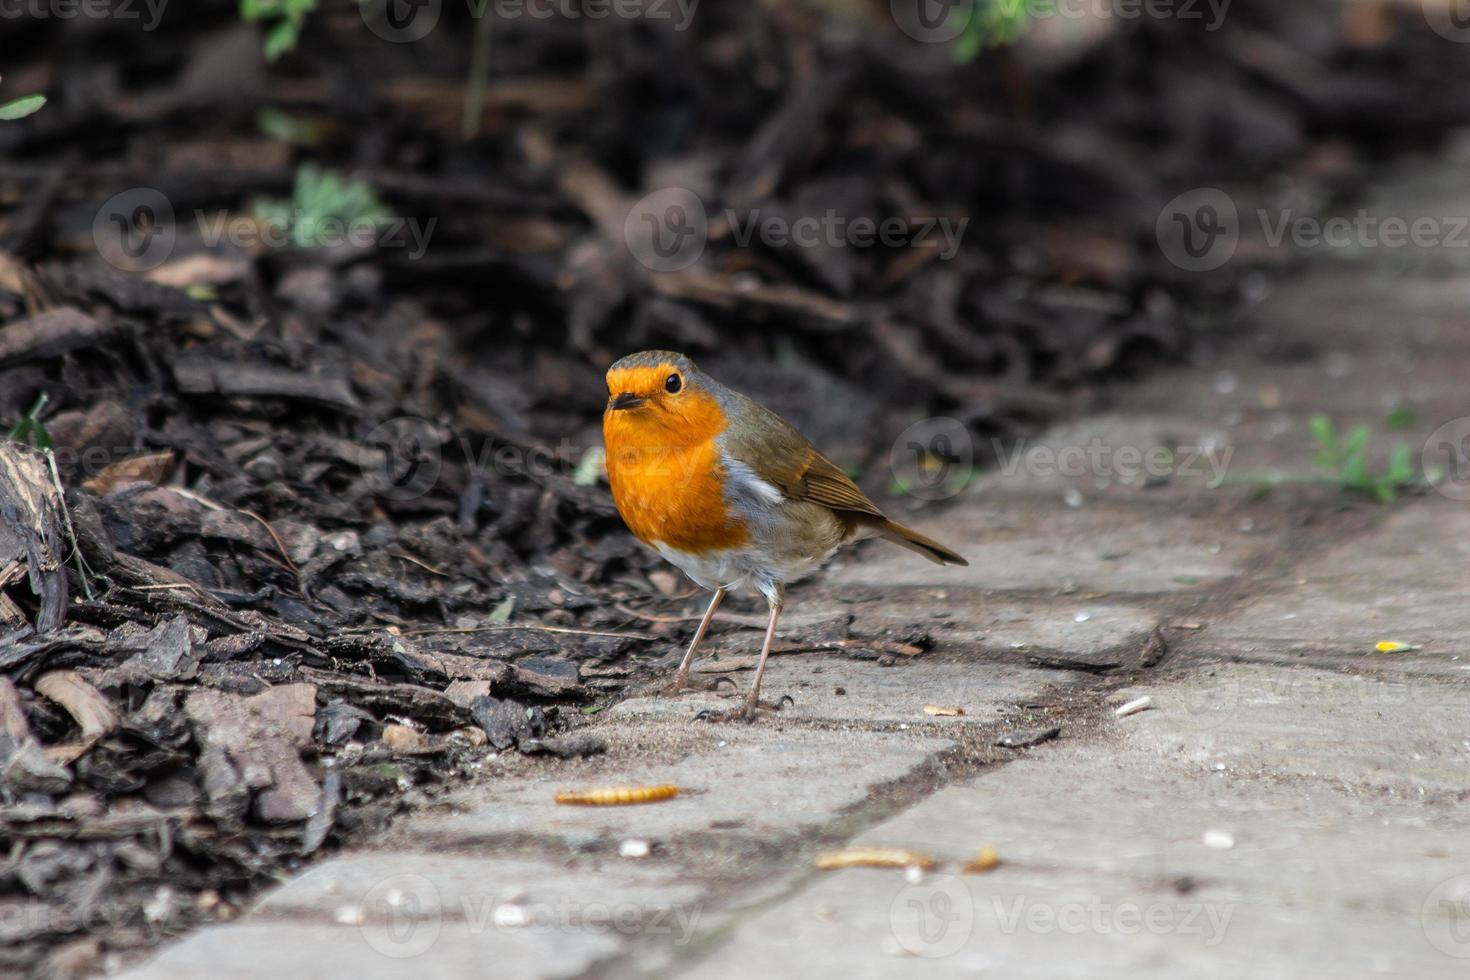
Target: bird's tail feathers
<point>908,538</point>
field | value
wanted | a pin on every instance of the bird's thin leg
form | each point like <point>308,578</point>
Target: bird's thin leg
<point>753,702</point>
<point>681,677</point>
<point>753,699</point>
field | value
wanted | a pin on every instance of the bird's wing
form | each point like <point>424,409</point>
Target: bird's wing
<point>783,457</point>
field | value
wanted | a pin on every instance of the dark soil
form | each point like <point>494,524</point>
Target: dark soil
<point>322,530</point>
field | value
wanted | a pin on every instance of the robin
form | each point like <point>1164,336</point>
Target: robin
<point>730,492</point>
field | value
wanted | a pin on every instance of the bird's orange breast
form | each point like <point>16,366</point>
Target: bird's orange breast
<point>667,478</point>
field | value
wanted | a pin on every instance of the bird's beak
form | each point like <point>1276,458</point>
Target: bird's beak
<point>626,400</point>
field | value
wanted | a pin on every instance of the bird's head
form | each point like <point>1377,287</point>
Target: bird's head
<point>661,391</point>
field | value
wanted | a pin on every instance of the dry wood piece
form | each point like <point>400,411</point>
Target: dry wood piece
<point>14,728</point>
<point>200,376</point>
<point>49,335</point>
<point>88,706</point>
<point>31,531</point>
<point>874,857</point>
<point>942,711</point>
<point>618,795</point>
<point>401,738</point>
<point>250,747</point>
<point>152,468</point>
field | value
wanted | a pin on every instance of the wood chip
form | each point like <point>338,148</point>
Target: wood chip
<point>943,712</point>
<point>32,532</point>
<point>1025,740</point>
<point>88,706</point>
<point>401,738</point>
<point>153,468</point>
<point>50,334</point>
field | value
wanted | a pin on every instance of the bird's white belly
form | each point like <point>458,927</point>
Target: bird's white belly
<point>741,568</point>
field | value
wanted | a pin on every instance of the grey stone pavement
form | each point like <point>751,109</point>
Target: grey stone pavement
<point>1291,804</point>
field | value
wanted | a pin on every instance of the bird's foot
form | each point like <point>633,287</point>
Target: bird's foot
<point>746,712</point>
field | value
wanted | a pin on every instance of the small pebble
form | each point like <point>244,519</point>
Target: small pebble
<point>633,849</point>
<point>509,916</point>
<point>1081,617</point>
<point>1220,840</point>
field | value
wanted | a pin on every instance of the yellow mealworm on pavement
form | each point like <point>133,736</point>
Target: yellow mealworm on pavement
<point>618,795</point>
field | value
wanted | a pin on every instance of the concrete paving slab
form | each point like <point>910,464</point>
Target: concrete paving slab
<point>1403,581</point>
<point>1365,733</point>
<point>868,691</point>
<point>629,897</point>
<point>740,781</point>
<point>376,951</point>
<point>1101,547</point>
<point>1116,863</point>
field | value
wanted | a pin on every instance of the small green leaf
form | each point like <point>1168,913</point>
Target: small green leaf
<point>1402,417</point>
<point>1401,464</point>
<point>501,613</point>
<point>281,39</point>
<point>21,107</point>
<point>29,429</point>
<point>591,468</point>
<point>1357,440</point>
<point>1324,433</point>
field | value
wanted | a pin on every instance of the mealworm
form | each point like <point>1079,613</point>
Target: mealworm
<point>873,857</point>
<point>618,795</point>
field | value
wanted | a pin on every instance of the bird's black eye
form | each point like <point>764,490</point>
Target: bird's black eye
<point>673,383</point>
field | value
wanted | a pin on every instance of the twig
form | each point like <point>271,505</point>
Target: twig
<point>507,627</point>
<point>479,77</point>
<point>205,502</point>
<point>84,571</point>
<point>734,619</point>
<point>420,563</point>
<point>280,545</point>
